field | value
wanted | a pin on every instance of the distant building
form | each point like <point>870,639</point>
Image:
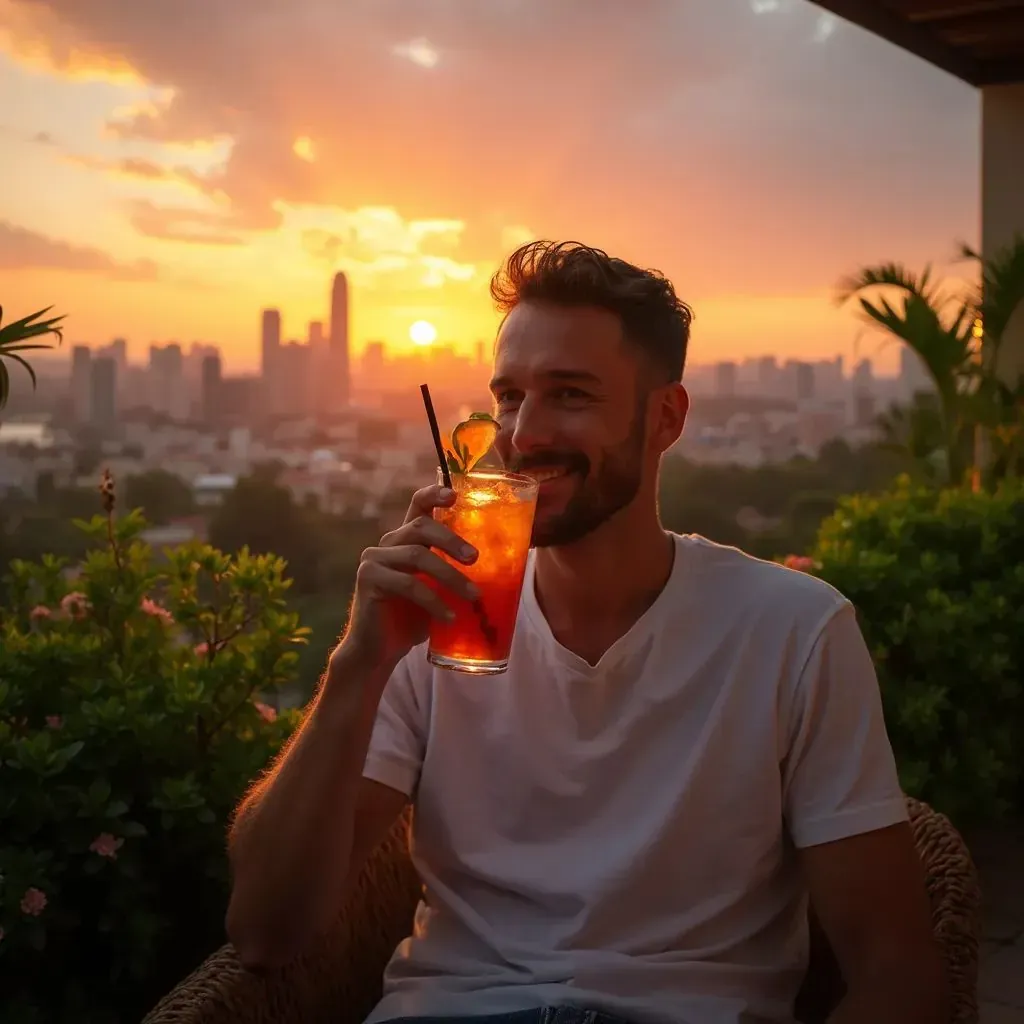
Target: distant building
<point>340,369</point>
<point>210,388</point>
<point>725,379</point>
<point>168,391</point>
<point>241,399</point>
<point>103,394</point>
<point>292,385</point>
<point>804,382</point>
<point>81,383</point>
<point>118,351</point>
<point>270,341</point>
<point>315,335</point>
<point>211,488</point>
<point>864,409</point>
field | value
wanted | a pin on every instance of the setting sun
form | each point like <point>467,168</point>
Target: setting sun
<point>422,333</point>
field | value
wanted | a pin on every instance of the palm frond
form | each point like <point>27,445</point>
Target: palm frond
<point>13,338</point>
<point>26,365</point>
<point>1002,289</point>
<point>886,275</point>
<point>31,326</point>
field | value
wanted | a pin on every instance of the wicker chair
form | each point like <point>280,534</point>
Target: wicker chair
<point>340,980</point>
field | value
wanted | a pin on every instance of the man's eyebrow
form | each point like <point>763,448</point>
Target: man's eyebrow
<point>578,376</point>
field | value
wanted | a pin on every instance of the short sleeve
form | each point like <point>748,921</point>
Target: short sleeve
<point>838,773</point>
<point>398,741</point>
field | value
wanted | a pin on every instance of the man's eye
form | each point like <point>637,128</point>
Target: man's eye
<point>571,393</point>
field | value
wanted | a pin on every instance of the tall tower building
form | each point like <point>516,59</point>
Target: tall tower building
<point>210,387</point>
<point>103,393</point>
<point>339,341</point>
<point>81,383</point>
<point>316,334</point>
<point>270,341</point>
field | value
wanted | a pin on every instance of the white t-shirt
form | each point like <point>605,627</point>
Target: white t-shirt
<point>621,837</point>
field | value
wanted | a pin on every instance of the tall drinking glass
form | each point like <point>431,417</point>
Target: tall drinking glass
<point>493,511</point>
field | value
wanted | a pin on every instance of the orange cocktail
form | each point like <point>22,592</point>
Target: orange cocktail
<point>493,511</point>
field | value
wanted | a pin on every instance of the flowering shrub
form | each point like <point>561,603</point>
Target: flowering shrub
<point>937,578</point>
<point>134,711</point>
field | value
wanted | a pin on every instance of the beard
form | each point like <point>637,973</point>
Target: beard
<point>598,495</point>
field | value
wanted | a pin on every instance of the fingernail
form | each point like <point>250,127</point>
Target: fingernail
<point>467,552</point>
<point>446,493</point>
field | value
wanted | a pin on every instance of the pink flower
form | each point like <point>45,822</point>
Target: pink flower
<point>800,562</point>
<point>201,650</point>
<point>267,713</point>
<point>75,605</point>
<point>158,611</point>
<point>54,721</point>
<point>106,845</point>
<point>40,612</point>
<point>33,902</point>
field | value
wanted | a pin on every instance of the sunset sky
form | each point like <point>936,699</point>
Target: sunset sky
<point>170,168</point>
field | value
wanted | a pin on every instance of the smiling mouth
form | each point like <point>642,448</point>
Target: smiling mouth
<point>542,476</point>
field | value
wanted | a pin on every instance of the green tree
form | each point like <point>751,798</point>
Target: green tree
<point>132,718</point>
<point>161,496</point>
<point>958,336</point>
<point>261,515</point>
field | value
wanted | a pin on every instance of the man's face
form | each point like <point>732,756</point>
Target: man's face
<point>569,400</point>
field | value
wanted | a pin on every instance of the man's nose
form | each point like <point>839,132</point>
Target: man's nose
<point>533,428</point>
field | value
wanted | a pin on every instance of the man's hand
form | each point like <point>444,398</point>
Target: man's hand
<point>393,603</point>
<point>869,894</point>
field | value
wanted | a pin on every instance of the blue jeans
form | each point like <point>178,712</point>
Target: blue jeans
<point>545,1015</point>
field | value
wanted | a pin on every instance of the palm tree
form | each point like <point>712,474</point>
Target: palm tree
<point>13,340</point>
<point>958,338</point>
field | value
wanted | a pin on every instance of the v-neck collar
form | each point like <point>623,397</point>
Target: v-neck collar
<point>626,646</point>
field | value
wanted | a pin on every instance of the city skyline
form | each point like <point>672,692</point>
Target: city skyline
<point>754,150</point>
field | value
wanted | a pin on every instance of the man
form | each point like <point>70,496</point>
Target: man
<point>688,741</point>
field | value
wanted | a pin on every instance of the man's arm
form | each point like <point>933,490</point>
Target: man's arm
<point>847,817</point>
<point>303,832</point>
<point>868,892</point>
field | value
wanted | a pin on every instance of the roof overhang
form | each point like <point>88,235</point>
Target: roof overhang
<point>979,41</point>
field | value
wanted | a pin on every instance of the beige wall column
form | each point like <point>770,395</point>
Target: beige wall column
<point>1002,191</point>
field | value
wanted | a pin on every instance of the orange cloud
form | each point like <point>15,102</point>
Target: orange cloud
<point>745,154</point>
<point>22,249</point>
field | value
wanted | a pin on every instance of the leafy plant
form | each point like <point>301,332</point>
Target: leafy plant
<point>958,334</point>
<point>13,338</point>
<point>937,578</point>
<point>135,707</point>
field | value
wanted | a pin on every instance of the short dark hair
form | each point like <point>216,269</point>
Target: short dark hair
<point>653,317</point>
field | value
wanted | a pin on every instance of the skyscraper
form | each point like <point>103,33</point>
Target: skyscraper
<point>316,334</point>
<point>81,383</point>
<point>103,394</point>
<point>270,341</point>
<point>168,392</point>
<point>210,388</point>
<point>339,346</point>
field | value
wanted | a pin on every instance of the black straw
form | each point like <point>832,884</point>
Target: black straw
<point>432,416</point>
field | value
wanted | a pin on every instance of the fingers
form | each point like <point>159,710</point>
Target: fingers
<point>426,499</point>
<point>414,558</point>
<point>382,580</point>
<point>429,533</point>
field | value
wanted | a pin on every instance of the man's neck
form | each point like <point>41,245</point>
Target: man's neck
<point>593,591</point>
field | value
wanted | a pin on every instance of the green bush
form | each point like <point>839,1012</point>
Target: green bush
<point>130,725</point>
<point>937,578</point>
